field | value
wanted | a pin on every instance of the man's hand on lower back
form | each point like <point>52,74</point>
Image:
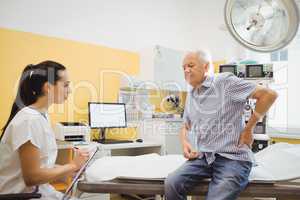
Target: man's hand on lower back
<point>246,137</point>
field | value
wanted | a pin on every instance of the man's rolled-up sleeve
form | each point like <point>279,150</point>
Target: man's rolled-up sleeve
<point>239,90</point>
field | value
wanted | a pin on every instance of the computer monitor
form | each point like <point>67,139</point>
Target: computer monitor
<point>107,115</point>
<point>254,71</point>
<point>228,68</point>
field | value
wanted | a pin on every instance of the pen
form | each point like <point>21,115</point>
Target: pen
<point>76,148</point>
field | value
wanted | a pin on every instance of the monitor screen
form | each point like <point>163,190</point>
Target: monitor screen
<point>228,68</point>
<point>254,71</point>
<point>107,115</point>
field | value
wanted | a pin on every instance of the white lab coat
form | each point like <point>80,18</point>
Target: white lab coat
<point>27,125</point>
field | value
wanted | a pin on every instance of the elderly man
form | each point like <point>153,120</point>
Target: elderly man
<point>220,148</point>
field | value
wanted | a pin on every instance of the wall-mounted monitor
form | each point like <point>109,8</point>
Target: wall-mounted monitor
<point>228,68</point>
<point>254,71</point>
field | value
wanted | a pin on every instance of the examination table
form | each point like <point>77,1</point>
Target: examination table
<point>275,174</point>
<point>278,190</point>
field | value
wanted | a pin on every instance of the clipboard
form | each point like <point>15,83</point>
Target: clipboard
<point>66,195</point>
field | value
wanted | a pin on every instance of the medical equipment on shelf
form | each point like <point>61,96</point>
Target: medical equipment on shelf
<point>260,142</point>
<point>260,127</point>
<point>171,103</point>
<point>249,71</point>
<point>138,106</point>
<point>72,131</point>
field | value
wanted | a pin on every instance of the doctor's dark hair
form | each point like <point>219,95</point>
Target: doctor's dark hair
<point>31,85</point>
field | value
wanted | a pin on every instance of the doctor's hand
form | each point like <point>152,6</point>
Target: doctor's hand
<point>81,156</point>
<point>188,151</point>
<point>246,137</point>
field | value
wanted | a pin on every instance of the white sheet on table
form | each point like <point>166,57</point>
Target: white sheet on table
<point>277,162</point>
<point>144,166</point>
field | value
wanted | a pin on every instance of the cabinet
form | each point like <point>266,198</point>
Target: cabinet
<point>164,132</point>
<point>163,66</point>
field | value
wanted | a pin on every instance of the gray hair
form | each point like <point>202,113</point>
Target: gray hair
<point>205,56</point>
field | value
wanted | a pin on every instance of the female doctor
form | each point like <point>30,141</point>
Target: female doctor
<point>28,147</point>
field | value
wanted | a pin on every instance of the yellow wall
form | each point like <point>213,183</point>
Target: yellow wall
<point>85,63</point>
<point>287,140</point>
<point>217,65</point>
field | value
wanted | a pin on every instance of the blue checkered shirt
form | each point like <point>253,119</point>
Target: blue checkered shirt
<point>214,112</point>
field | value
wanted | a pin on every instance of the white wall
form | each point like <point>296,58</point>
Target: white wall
<point>139,25</point>
<point>129,24</point>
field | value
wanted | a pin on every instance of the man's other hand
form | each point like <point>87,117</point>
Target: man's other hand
<point>188,151</point>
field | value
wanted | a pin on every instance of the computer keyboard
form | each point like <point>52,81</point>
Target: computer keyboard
<point>111,141</point>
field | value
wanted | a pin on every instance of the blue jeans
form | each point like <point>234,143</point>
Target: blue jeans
<point>228,178</point>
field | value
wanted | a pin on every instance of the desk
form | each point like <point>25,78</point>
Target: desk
<point>284,133</point>
<point>122,149</point>
<point>128,149</point>
<point>280,191</point>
